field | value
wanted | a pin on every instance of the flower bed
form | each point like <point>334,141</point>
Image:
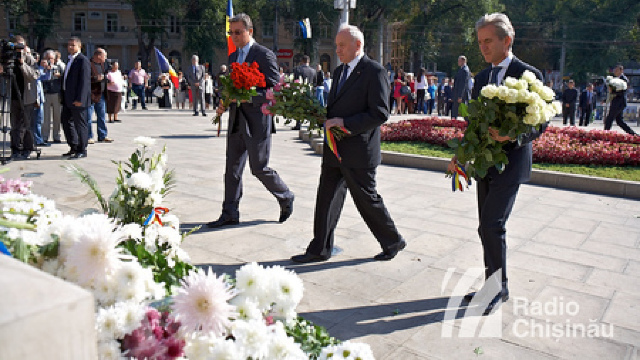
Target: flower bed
<point>151,303</point>
<point>557,145</point>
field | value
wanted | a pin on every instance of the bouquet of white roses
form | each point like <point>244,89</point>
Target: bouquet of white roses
<point>616,84</point>
<point>514,109</point>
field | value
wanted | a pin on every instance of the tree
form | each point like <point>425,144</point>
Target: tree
<point>204,24</point>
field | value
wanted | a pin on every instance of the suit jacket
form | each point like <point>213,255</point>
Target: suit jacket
<point>569,96</point>
<point>461,84</point>
<point>256,122</point>
<point>306,73</point>
<point>77,84</point>
<point>30,75</point>
<point>585,103</point>
<point>198,77</point>
<point>518,170</point>
<point>363,103</point>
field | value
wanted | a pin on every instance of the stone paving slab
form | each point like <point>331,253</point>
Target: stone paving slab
<point>580,246</point>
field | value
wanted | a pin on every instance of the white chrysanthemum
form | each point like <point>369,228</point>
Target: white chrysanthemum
<point>130,278</point>
<point>528,76</point>
<point>226,350</point>
<point>199,345</point>
<point>281,346</point>
<point>105,290</point>
<point>252,337</point>
<point>132,313</point>
<point>154,199</point>
<point>132,231</point>
<point>347,351</point>
<point>51,266</point>
<point>109,350</point>
<point>110,323</point>
<point>531,119</point>
<point>95,252</point>
<point>489,91</point>
<point>169,235</point>
<point>140,180</point>
<point>246,308</point>
<point>201,303</point>
<point>288,286</point>
<point>252,282</point>
<point>171,221</point>
<point>144,141</point>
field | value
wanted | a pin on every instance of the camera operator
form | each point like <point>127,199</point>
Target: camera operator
<point>26,75</point>
<point>99,68</point>
<point>52,84</point>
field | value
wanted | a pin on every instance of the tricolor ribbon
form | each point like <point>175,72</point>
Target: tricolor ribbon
<point>155,216</point>
<point>331,139</point>
<point>456,178</point>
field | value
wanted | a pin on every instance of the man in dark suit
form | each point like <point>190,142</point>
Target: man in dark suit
<point>249,131</point>
<point>497,191</point>
<point>76,90</point>
<point>358,101</point>
<point>569,98</point>
<point>306,73</point>
<point>618,103</point>
<point>461,92</point>
<point>587,104</point>
<point>195,78</point>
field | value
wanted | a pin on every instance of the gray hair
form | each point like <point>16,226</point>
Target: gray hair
<point>195,57</point>
<point>355,33</point>
<point>244,19</point>
<point>49,52</point>
<point>502,24</point>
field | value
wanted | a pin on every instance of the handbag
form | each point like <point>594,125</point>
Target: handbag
<point>158,92</point>
<point>405,90</point>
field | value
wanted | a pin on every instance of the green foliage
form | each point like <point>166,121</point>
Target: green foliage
<point>204,24</point>
<point>312,338</point>
<point>295,100</point>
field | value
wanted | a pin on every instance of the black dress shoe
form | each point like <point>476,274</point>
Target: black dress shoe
<point>308,258</point>
<point>44,144</point>
<point>286,209</point>
<point>78,156</point>
<point>222,222</point>
<point>57,142</point>
<point>495,304</point>
<point>195,114</point>
<point>469,296</point>
<point>69,153</point>
<point>204,114</point>
<point>391,253</point>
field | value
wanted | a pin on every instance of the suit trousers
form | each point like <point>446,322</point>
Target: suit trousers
<point>52,112</point>
<point>76,128</point>
<point>332,190</point>
<point>615,112</point>
<point>495,203</point>
<point>197,94</point>
<point>21,124</point>
<point>569,112</point>
<point>257,147</point>
<point>585,116</point>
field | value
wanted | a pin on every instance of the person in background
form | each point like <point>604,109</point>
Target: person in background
<point>114,92</point>
<point>26,75</point>
<point>327,86</point>
<point>587,103</point>
<point>52,86</point>
<point>307,74</point>
<point>569,98</point>
<point>618,103</point>
<point>195,77</point>
<point>410,99</point>
<point>320,84</point>
<point>99,70</point>
<point>461,90</point>
<point>398,83</point>
<point>138,82</point>
<point>38,111</point>
<point>432,89</point>
<point>421,85</point>
<point>164,102</point>
<point>181,91</point>
<point>76,87</point>
<point>208,90</point>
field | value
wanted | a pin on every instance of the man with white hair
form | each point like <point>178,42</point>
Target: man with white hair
<point>195,77</point>
<point>359,102</point>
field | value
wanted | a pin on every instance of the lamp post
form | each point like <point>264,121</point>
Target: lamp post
<point>344,5</point>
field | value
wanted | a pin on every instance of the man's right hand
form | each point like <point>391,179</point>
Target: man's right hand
<point>220,110</point>
<point>451,168</point>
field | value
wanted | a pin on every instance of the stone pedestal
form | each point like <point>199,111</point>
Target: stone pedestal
<point>43,317</point>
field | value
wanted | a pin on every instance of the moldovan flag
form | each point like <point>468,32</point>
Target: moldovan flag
<point>305,26</point>
<point>165,67</point>
<point>230,45</point>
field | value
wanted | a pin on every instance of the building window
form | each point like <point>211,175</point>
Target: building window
<point>267,29</point>
<point>111,22</point>
<point>80,21</point>
<point>297,31</point>
<point>12,22</point>
<point>174,26</point>
<point>324,32</point>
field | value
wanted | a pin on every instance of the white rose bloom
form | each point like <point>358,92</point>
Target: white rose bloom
<point>528,76</point>
<point>503,92</point>
<point>489,91</point>
<point>144,141</point>
<point>523,96</point>
<point>512,96</point>
<point>533,109</point>
<point>531,119</point>
<point>557,105</point>
<point>510,82</point>
<point>522,84</point>
<point>547,94</point>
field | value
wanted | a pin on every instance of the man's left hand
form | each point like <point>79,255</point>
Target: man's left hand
<point>495,135</point>
<point>337,121</point>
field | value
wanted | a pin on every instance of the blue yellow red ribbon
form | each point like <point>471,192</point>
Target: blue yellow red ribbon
<point>331,140</point>
<point>155,216</point>
<point>456,178</point>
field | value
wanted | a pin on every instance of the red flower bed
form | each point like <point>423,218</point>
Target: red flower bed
<point>566,145</point>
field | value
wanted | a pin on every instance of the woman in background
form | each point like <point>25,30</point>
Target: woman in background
<point>114,92</point>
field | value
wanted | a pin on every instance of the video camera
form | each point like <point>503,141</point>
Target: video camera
<point>9,53</point>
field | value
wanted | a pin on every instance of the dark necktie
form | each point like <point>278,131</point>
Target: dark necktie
<point>494,74</point>
<point>343,77</point>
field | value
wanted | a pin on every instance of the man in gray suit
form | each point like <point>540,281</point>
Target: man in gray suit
<point>461,89</point>
<point>195,78</point>
<point>249,131</point>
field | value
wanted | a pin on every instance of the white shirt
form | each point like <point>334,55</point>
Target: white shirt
<point>72,57</point>
<point>505,64</point>
<point>420,84</point>
<point>352,65</point>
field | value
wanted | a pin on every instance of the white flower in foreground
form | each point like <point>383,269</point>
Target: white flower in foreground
<point>201,303</point>
<point>94,253</point>
<point>282,347</point>
<point>140,180</point>
<point>132,231</point>
<point>247,308</point>
<point>109,350</point>
<point>110,324</point>
<point>252,282</point>
<point>252,337</point>
<point>347,351</point>
<point>489,91</point>
<point>528,76</point>
<point>144,141</point>
<point>289,287</point>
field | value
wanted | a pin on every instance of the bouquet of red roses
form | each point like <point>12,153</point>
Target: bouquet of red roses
<point>240,84</point>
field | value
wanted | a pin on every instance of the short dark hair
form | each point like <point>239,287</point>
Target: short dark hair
<point>305,59</point>
<point>76,40</point>
<point>244,19</point>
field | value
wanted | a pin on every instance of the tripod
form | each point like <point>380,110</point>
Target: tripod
<point>7,84</point>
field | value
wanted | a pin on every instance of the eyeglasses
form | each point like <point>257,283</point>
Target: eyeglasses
<point>237,32</point>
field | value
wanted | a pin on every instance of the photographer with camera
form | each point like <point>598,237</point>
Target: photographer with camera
<point>23,102</point>
<point>99,69</point>
<point>52,85</point>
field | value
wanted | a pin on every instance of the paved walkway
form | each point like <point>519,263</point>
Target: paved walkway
<point>574,258</point>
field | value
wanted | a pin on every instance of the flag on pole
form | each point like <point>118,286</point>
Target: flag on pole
<point>165,67</point>
<point>230,45</point>
<point>305,26</point>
